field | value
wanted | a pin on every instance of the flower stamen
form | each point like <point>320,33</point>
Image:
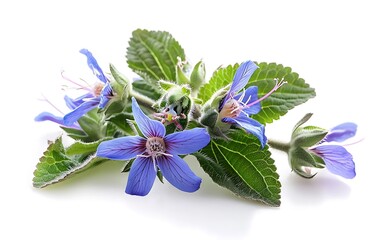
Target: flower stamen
<point>169,115</point>
<point>87,88</point>
<point>51,104</point>
<point>277,86</point>
<point>155,147</point>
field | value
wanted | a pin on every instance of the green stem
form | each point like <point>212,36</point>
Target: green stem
<point>279,145</point>
<point>142,99</point>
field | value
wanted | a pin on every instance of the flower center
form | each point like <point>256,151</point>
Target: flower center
<point>97,89</point>
<point>230,109</point>
<point>155,146</point>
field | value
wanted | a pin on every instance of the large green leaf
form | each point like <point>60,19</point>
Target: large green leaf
<point>56,164</point>
<point>221,78</point>
<point>153,54</point>
<point>242,166</point>
<point>290,95</point>
<point>147,89</point>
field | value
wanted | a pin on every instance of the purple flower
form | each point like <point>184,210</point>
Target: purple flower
<point>337,159</point>
<point>99,95</point>
<point>153,151</point>
<point>237,108</point>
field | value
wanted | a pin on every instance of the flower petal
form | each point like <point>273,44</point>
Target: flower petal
<point>250,125</point>
<point>93,65</point>
<point>106,94</point>
<point>178,173</point>
<point>242,75</point>
<point>123,148</point>
<point>337,160</point>
<point>46,116</point>
<point>187,141</point>
<point>241,78</point>
<point>148,127</point>
<point>81,110</point>
<point>251,94</point>
<point>74,103</point>
<point>141,177</point>
<point>341,132</point>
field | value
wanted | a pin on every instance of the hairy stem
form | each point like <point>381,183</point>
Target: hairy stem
<point>142,99</point>
<point>279,145</point>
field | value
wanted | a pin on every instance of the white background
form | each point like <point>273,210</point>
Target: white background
<point>334,45</point>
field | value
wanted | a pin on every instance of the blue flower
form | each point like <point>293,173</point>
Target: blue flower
<point>97,96</point>
<point>337,159</point>
<point>237,108</point>
<point>153,151</point>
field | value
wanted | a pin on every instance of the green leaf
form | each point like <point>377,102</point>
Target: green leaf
<point>76,134</point>
<point>83,147</point>
<point>91,125</point>
<point>123,122</point>
<point>220,79</point>
<point>118,77</point>
<point>114,106</point>
<point>302,121</point>
<point>166,85</point>
<point>147,89</point>
<point>154,54</point>
<point>181,77</point>
<point>242,166</point>
<point>56,165</point>
<point>290,95</point>
<point>127,166</point>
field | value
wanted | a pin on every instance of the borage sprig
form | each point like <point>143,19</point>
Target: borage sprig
<point>171,110</point>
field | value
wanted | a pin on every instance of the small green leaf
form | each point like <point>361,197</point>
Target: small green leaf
<point>114,106</point>
<point>127,166</point>
<point>181,77</point>
<point>121,85</point>
<point>83,147</point>
<point>242,166</point>
<point>123,122</point>
<point>290,95</point>
<point>76,134</point>
<point>160,175</point>
<point>166,85</point>
<point>55,165</point>
<point>302,121</point>
<point>118,77</point>
<point>90,124</point>
<point>154,54</point>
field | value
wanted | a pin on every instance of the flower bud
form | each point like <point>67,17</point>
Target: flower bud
<point>301,159</point>
<point>314,147</point>
<point>198,76</point>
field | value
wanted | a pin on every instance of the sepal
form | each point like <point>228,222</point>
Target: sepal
<point>308,136</point>
<point>301,159</point>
